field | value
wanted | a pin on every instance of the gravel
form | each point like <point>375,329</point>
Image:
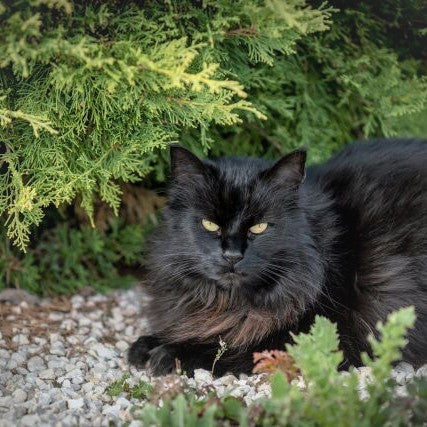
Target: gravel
<point>58,357</point>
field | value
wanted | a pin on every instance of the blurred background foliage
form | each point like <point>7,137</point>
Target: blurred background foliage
<point>92,93</point>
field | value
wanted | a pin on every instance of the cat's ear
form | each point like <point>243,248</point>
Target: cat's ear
<point>184,162</point>
<point>289,170</point>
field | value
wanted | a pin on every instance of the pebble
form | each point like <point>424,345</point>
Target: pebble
<point>129,331</point>
<point>30,420</point>
<point>57,348</point>
<point>122,345</point>
<point>56,317</point>
<point>122,402</point>
<point>35,363</point>
<point>59,378</point>
<point>421,372</point>
<point>75,403</point>
<point>202,376</point>
<point>19,396</point>
<point>47,374</point>
<point>104,352</point>
<point>5,401</point>
<point>20,339</point>
<point>17,359</point>
<point>403,372</point>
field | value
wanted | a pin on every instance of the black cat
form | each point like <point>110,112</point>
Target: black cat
<point>249,251</point>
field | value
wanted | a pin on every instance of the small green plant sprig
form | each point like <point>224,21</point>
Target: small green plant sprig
<point>142,390</point>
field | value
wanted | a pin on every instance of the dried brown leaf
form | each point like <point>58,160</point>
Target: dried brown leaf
<point>270,361</point>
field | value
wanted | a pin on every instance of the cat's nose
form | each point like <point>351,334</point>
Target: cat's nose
<point>232,256</point>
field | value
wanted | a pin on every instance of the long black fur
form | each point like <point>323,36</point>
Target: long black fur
<point>346,240</point>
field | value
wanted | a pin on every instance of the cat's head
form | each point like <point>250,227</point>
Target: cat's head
<point>237,225</point>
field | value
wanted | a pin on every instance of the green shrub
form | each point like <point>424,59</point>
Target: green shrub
<point>67,259</point>
<point>92,91</point>
<point>330,398</point>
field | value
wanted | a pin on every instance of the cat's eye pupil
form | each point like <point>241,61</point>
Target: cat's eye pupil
<point>258,228</point>
<point>209,225</point>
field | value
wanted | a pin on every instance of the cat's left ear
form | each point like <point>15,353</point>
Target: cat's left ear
<point>289,170</point>
<point>185,163</point>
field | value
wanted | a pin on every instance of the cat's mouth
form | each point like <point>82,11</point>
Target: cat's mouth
<point>229,279</point>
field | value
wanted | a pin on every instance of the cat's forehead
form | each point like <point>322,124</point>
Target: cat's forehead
<point>240,171</point>
<point>238,194</point>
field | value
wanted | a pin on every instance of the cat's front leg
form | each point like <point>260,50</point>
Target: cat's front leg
<point>139,352</point>
<point>162,358</point>
<point>150,352</point>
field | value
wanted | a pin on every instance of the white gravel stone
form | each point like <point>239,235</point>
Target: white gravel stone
<point>54,336</point>
<point>30,420</point>
<point>403,372</point>
<point>227,380</point>
<point>240,391</point>
<point>17,359</point>
<point>57,348</point>
<point>75,403</point>
<point>421,372</point>
<point>56,317</point>
<point>35,363</point>
<point>129,331</point>
<point>201,376</point>
<point>84,321</point>
<point>45,399</point>
<point>40,340</point>
<point>19,396</point>
<point>130,311</point>
<point>122,402</point>
<point>122,345</point>
<point>77,301</point>
<point>104,353</point>
<point>55,362</point>
<point>5,401</point>
<point>47,374</point>
<point>118,327</point>
<point>20,339</point>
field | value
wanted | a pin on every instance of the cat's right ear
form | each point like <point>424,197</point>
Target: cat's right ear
<point>289,171</point>
<point>184,163</point>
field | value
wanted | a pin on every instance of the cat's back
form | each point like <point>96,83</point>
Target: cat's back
<point>376,176</point>
<point>379,190</point>
<point>378,156</point>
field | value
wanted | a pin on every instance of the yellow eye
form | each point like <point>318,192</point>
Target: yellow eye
<point>258,228</point>
<point>209,225</point>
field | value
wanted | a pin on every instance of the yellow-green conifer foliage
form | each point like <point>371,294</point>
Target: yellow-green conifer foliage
<point>91,92</point>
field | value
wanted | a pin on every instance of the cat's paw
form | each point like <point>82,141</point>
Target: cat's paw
<point>162,360</point>
<point>139,352</point>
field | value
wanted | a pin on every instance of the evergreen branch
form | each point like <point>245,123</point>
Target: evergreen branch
<point>118,84</point>
<point>37,123</point>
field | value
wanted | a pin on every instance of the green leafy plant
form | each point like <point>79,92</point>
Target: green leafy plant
<point>328,398</point>
<point>142,390</point>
